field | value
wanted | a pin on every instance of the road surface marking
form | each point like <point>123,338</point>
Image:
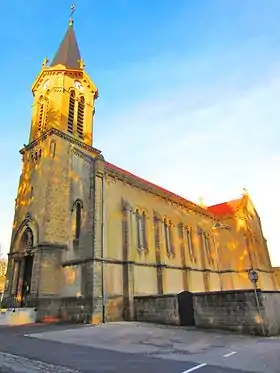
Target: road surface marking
<point>195,368</point>
<point>230,354</point>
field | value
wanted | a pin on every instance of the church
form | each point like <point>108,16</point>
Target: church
<point>89,236</point>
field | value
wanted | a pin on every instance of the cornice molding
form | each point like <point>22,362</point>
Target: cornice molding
<point>81,155</point>
<point>161,265</point>
<point>174,200</point>
<point>62,135</point>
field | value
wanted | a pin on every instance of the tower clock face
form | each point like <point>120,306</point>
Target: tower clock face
<point>78,85</point>
<point>46,84</point>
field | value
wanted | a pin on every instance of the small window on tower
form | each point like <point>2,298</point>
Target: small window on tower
<point>71,111</point>
<point>77,222</point>
<point>40,115</point>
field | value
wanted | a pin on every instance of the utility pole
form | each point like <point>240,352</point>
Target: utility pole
<point>254,277</point>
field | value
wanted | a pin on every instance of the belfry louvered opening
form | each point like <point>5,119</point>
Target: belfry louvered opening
<point>71,112</point>
<point>80,119</point>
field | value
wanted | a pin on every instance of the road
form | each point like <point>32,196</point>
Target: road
<point>133,348</point>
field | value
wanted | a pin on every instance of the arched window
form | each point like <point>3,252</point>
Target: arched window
<point>189,235</point>
<point>168,237</point>
<point>141,230</point>
<point>80,119</point>
<point>207,246</point>
<point>78,220</point>
<point>71,111</point>
<point>144,231</point>
<point>138,229</point>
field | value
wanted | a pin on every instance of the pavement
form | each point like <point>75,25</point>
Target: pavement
<point>133,348</point>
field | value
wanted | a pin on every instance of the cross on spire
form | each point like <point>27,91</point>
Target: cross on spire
<point>72,11</point>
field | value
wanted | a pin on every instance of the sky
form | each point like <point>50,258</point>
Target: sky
<point>189,94</point>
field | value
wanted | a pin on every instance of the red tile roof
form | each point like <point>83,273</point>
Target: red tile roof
<point>148,183</point>
<point>225,207</point>
<point>220,209</point>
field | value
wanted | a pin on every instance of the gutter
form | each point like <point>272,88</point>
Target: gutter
<point>103,251</point>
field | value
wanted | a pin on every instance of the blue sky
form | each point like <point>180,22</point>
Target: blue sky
<point>190,88</point>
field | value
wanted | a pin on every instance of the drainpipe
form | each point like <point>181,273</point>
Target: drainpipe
<point>103,250</point>
<point>217,261</point>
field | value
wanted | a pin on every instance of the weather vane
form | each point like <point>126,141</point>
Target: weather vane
<point>245,190</point>
<point>72,11</point>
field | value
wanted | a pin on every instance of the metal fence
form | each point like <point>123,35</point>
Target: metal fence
<point>12,301</point>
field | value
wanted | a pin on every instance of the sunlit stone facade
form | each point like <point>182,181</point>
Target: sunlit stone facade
<point>89,236</point>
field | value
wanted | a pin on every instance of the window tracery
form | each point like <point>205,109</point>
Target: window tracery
<point>141,230</point>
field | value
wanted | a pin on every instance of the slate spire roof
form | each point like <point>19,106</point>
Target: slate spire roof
<point>68,53</point>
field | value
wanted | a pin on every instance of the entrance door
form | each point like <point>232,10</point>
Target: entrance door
<point>27,275</point>
<point>186,310</point>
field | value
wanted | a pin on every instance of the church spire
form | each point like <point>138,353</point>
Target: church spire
<point>68,53</point>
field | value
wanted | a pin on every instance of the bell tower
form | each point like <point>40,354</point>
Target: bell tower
<point>54,204</point>
<point>64,94</point>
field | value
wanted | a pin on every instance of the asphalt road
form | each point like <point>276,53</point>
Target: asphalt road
<point>83,358</point>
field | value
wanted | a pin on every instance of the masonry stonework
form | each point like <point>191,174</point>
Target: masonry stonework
<point>161,309</point>
<point>91,241</point>
<point>238,311</point>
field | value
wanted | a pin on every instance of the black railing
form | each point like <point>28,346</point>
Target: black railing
<point>12,301</point>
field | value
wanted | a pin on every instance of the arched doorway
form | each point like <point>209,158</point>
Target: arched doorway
<point>27,241</point>
<point>24,264</point>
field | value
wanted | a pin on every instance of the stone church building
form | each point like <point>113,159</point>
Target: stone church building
<point>89,236</point>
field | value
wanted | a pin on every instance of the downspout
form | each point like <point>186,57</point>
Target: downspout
<point>103,250</point>
<point>217,261</point>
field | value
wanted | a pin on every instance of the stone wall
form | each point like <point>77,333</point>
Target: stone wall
<point>228,310</point>
<point>70,309</point>
<point>271,303</point>
<point>237,311</point>
<point>161,309</point>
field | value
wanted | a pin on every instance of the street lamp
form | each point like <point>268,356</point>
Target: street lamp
<point>254,277</point>
<point>219,226</point>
